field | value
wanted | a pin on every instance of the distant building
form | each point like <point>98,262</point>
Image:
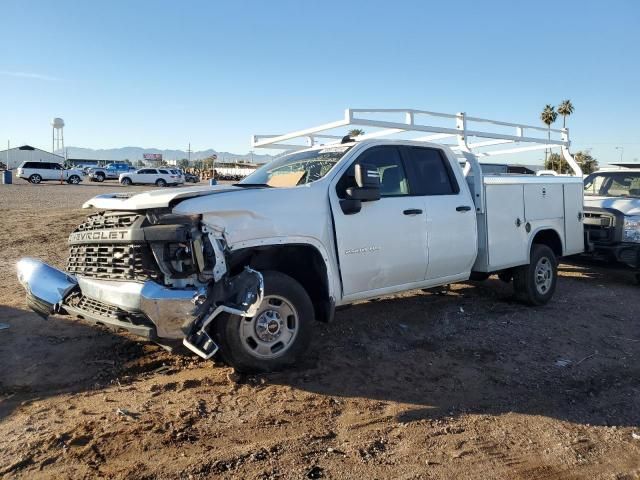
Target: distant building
<point>26,153</point>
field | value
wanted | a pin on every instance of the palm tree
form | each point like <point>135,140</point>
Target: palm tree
<point>565,109</point>
<point>355,132</point>
<point>548,116</point>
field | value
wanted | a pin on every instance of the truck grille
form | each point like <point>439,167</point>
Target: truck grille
<point>600,227</point>
<point>112,261</point>
<point>108,220</point>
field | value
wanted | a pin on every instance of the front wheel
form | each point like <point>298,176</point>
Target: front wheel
<point>100,177</point>
<point>126,181</point>
<point>161,183</point>
<point>74,180</point>
<point>277,336</point>
<point>535,283</point>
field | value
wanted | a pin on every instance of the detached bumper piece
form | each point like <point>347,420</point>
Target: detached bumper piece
<point>244,292</point>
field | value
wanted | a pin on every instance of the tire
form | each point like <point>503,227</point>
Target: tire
<point>243,349</point>
<point>126,181</point>
<point>74,180</point>
<point>35,178</point>
<point>100,177</point>
<point>535,284</point>
<point>161,183</point>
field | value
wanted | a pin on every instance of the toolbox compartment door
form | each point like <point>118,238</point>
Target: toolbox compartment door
<point>573,218</point>
<point>506,236</point>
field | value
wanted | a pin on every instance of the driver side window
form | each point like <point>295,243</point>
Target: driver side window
<point>393,179</point>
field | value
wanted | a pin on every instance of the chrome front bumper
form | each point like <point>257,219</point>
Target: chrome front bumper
<point>172,311</point>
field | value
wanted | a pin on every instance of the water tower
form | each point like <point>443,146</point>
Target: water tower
<point>57,135</point>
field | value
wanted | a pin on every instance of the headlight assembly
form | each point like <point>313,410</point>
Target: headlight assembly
<point>631,228</point>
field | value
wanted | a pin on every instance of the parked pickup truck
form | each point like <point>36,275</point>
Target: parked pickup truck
<point>111,171</point>
<point>245,269</point>
<point>612,216</point>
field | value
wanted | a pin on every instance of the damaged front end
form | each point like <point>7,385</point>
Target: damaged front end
<point>155,274</point>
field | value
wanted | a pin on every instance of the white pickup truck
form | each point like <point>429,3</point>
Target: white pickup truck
<point>245,269</point>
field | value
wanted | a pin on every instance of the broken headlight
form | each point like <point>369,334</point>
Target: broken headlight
<point>631,229</point>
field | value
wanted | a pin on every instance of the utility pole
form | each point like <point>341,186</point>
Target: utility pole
<point>189,154</point>
<point>621,152</point>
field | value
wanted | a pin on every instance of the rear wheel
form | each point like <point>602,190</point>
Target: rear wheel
<point>161,183</point>
<point>277,336</point>
<point>535,283</point>
<point>35,178</point>
<point>100,177</point>
<point>74,179</point>
<point>126,181</point>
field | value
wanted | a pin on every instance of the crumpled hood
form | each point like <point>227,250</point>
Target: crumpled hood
<point>627,206</point>
<point>156,198</point>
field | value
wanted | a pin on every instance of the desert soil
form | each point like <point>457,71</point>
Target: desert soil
<point>466,384</point>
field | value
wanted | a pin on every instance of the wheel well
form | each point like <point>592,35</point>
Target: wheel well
<point>304,263</point>
<point>551,239</point>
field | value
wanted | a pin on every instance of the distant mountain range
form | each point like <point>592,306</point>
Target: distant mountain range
<point>136,153</point>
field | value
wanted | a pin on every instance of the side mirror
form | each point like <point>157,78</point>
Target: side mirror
<point>367,179</point>
<point>367,189</point>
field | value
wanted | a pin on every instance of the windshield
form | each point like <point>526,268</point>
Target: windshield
<point>297,168</point>
<point>613,184</point>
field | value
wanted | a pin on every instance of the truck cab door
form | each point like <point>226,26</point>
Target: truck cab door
<point>384,244</point>
<point>450,214</point>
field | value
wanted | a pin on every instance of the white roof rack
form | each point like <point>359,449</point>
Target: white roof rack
<point>405,123</point>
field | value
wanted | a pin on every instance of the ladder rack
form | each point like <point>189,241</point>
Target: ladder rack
<point>408,122</point>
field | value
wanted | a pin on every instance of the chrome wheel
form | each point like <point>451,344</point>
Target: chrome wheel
<point>543,275</point>
<point>271,332</point>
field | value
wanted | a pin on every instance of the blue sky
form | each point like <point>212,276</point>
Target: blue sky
<point>165,73</point>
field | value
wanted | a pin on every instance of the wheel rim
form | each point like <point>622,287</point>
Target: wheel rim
<point>543,275</point>
<point>36,179</point>
<point>161,183</point>
<point>75,180</point>
<point>272,331</point>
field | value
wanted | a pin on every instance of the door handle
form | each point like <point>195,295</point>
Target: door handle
<point>412,211</point>
<point>463,208</point>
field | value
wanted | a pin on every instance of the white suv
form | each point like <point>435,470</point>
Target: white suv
<point>152,176</point>
<point>36,172</point>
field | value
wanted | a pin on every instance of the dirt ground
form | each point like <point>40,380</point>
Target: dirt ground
<point>468,384</point>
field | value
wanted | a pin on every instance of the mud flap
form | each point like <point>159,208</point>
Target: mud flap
<point>243,295</point>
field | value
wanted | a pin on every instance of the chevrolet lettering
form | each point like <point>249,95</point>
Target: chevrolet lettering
<point>79,237</point>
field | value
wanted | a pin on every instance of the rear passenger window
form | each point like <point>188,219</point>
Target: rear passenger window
<point>164,172</point>
<point>430,173</point>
